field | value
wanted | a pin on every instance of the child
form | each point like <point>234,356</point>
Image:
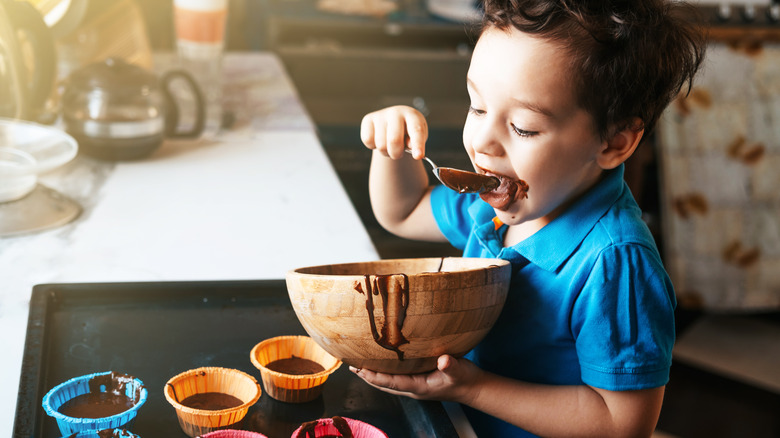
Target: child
<point>562,92</point>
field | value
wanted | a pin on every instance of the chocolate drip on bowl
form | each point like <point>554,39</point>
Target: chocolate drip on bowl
<point>394,291</point>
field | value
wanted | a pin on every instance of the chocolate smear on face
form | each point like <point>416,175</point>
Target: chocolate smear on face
<point>509,191</point>
<point>394,291</point>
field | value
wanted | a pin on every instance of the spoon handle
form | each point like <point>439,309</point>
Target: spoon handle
<point>433,165</point>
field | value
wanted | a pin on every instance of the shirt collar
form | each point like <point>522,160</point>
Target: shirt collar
<point>549,247</point>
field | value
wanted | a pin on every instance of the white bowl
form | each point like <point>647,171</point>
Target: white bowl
<point>51,147</point>
<point>17,174</point>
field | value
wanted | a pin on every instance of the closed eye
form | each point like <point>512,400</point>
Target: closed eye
<point>477,112</point>
<point>523,132</point>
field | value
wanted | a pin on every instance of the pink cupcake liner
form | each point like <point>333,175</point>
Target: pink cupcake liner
<point>359,429</point>
<point>231,433</point>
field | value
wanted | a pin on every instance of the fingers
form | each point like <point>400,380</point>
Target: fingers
<point>395,133</point>
<point>445,362</point>
<point>417,131</point>
<point>389,383</point>
<point>375,379</point>
<point>452,380</point>
<point>367,131</point>
<point>393,129</point>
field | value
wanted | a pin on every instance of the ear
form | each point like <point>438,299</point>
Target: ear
<point>621,144</point>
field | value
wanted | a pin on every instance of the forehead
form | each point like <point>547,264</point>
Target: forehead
<point>522,66</point>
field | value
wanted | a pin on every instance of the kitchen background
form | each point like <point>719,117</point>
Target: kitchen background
<point>708,181</point>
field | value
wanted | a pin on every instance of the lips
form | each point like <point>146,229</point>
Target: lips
<point>509,191</point>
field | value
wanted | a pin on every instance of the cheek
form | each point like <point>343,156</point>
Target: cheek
<point>468,136</point>
<point>544,168</point>
<point>468,131</point>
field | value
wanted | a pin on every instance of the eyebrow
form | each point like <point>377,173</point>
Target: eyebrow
<point>524,104</point>
<point>535,108</point>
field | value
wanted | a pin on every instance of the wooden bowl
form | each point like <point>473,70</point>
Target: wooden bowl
<point>398,316</point>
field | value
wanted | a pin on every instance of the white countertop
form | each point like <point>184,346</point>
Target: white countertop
<point>260,199</point>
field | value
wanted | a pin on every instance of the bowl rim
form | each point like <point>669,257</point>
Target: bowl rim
<point>260,345</point>
<point>167,390</point>
<point>56,414</point>
<point>30,163</point>
<point>488,262</point>
<point>42,166</point>
<point>22,175</point>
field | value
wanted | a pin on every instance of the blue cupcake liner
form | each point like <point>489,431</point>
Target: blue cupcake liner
<point>76,386</point>
<point>95,433</point>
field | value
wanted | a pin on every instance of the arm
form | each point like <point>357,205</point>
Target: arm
<point>546,410</point>
<point>570,411</point>
<point>398,183</point>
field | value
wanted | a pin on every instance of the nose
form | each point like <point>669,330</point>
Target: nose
<point>483,136</point>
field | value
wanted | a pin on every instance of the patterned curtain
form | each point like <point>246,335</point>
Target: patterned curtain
<point>719,151</point>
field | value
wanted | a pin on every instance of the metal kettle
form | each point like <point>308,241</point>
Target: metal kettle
<point>28,61</point>
<point>120,111</point>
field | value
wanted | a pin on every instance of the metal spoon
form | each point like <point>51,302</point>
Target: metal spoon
<point>462,181</point>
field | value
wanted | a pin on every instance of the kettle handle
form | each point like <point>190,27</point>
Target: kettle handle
<point>172,108</point>
<point>44,74</point>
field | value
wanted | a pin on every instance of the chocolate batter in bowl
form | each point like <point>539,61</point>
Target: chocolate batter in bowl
<point>105,400</point>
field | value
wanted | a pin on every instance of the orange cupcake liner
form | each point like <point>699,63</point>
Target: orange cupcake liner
<point>195,422</point>
<point>289,387</point>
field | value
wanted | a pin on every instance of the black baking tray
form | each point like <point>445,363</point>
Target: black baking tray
<point>155,330</point>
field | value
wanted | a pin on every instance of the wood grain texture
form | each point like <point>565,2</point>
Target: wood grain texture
<point>452,304</point>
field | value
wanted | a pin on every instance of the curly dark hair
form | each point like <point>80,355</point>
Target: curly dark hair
<point>629,58</point>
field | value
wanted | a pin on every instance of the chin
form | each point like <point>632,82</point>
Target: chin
<point>511,215</point>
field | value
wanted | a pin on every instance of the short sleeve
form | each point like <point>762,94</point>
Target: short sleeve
<point>623,320</point>
<point>451,211</point>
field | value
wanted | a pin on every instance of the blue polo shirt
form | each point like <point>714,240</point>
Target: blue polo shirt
<point>589,302</point>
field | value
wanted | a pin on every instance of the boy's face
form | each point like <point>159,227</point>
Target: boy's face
<point>524,123</point>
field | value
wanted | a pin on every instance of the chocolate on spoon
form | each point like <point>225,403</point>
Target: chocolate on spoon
<point>466,182</point>
<point>463,181</point>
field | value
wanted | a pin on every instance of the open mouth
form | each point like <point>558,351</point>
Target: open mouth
<point>508,192</point>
